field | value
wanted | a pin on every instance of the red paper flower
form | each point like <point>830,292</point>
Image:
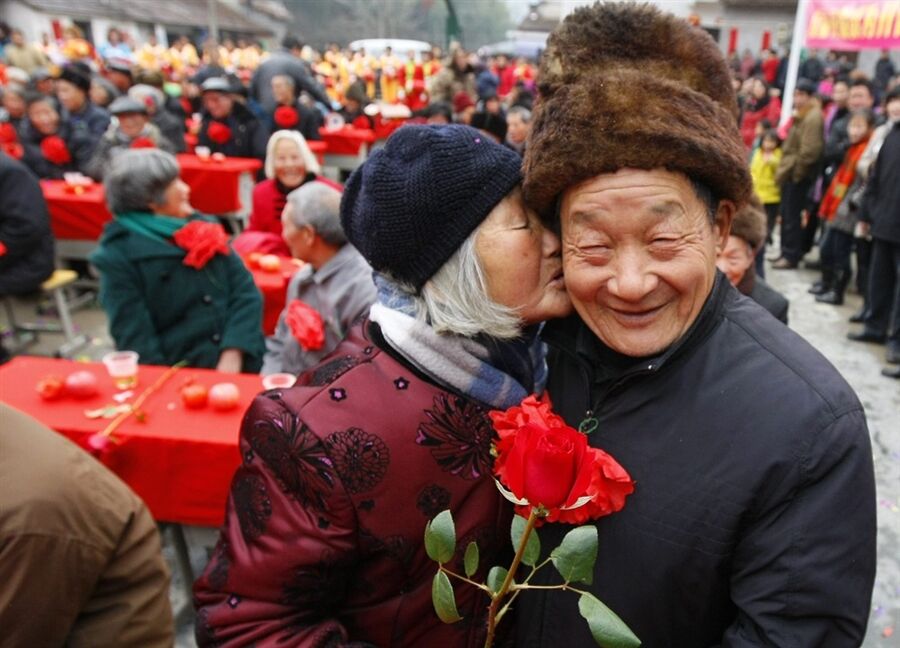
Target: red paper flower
<point>218,132</point>
<point>202,240</point>
<point>306,325</point>
<point>546,463</point>
<point>2,248</point>
<point>286,116</point>
<point>55,150</point>
<point>142,142</point>
<point>8,133</point>
<point>13,150</point>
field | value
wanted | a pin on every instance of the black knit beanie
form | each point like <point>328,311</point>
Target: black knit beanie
<point>411,205</point>
<point>78,74</point>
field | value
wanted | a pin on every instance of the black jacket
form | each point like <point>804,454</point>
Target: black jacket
<point>249,136</point>
<point>753,517</point>
<point>24,230</point>
<point>881,201</point>
<point>78,141</point>
<point>770,299</point>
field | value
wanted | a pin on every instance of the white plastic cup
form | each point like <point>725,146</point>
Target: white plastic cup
<point>279,381</point>
<point>203,152</point>
<point>122,367</point>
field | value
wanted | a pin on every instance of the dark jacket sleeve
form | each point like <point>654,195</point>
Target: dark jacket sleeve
<point>130,323</point>
<point>24,221</point>
<point>799,578</point>
<point>284,559</point>
<point>243,325</point>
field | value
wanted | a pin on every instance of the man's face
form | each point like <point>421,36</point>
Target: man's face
<point>70,95</point>
<point>735,259</point>
<point>860,98</point>
<point>839,94</point>
<point>517,130</point>
<point>639,255</point>
<point>14,104</point>
<point>131,124</point>
<point>43,117</point>
<point>801,99</point>
<point>17,39</point>
<point>217,104</point>
<point>282,91</point>
<point>892,109</point>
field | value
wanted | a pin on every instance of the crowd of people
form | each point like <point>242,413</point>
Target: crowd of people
<point>591,245</point>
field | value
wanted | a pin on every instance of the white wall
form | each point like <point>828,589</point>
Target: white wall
<point>32,23</point>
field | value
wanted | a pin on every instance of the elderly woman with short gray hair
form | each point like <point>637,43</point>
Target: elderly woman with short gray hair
<point>170,285</point>
<point>323,538</point>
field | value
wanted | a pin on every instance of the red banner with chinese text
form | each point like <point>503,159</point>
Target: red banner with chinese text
<point>853,24</point>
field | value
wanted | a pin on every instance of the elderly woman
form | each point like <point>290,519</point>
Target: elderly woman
<point>170,285</point>
<point>52,146</point>
<point>323,539</point>
<point>289,164</point>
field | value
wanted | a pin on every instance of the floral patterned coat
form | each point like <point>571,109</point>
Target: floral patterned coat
<point>323,538</point>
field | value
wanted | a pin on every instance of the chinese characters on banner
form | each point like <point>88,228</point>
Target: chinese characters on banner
<point>853,24</point>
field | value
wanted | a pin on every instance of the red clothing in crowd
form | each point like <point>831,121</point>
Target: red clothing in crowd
<point>771,110</point>
<point>770,69</point>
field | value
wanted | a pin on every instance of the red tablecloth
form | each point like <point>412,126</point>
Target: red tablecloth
<point>215,186</point>
<point>318,148</point>
<point>75,216</point>
<point>179,461</point>
<point>346,140</point>
<point>273,286</point>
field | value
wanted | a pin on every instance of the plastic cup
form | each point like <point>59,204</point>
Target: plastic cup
<point>279,381</point>
<point>123,368</point>
<point>202,152</point>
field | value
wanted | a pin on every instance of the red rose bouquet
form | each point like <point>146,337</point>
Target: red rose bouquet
<point>306,325</point>
<point>142,142</point>
<point>218,132</point>
<point>286,117</point>
<point>551,473</point>
<point>202,240</point>
<point>54,149</point>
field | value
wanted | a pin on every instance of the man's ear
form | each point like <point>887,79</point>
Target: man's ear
<point>722,225</point>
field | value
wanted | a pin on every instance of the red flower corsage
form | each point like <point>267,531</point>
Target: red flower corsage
<point>13,150</point>
<point>286,116</point>
<point>55,150</point>
<point>202,240</point>
<point>2,248</point>
<point>306,325</point>
<point>142,142</point>
<point>362,122</point>
<point>218,132</point>
<point>8,133</point>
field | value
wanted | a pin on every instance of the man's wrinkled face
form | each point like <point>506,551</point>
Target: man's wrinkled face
<point>639,255</point>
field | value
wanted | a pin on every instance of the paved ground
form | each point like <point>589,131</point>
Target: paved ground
<point>825,327</point>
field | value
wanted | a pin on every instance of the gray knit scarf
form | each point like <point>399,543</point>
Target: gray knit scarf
<point>499,373</point>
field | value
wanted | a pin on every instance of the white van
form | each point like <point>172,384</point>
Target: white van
<point>399,46</point>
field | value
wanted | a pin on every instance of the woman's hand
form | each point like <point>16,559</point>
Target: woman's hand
<point>230,361</point>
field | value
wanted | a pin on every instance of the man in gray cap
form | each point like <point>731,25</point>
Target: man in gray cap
<point>228,126</point>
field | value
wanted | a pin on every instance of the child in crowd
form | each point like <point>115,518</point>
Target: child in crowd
<point>840,214</point>
<point>763,164</point>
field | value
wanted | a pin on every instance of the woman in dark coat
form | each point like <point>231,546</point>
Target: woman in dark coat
<point>228,126</point>
<point>52,147</point>
<point>169,283</point>
<point>323,538</point>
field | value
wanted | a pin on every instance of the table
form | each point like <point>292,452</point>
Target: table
<point>318,148</point>
<point>220,187</point>
<point>77,219</point>
<point>273,286</point>
<point>180,462</point>
<point>348,147</point>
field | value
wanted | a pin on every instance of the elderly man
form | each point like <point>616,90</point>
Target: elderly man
<point>228,126</point>
<point>336,282</point>
<point>290,113</point>
<point>72,89</point>
<point>753,517</point>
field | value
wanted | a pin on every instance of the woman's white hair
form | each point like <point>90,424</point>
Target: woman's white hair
<point>455,300</point>
<point>309,158</point>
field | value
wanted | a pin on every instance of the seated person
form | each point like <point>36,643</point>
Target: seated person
<point>289,164</point>
<point>354,106</point>
<point>52,146</point>
<point>228,126</point>
<point>290,113</point>
<point>336,282</point>
<point>12,100</point>
<point>81,562</point>
<point>171,125</point>
<point>73,92</point>
<point>131,129</point>
<point>518,124</point>
<point>491,119</point>
<point>171,287</point>
<point>736,260</point>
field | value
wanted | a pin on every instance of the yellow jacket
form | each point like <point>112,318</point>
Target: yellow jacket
<point>763,173</point>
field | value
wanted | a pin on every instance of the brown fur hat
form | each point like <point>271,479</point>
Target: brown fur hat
<point>625,85</point>
<point>750,223</point>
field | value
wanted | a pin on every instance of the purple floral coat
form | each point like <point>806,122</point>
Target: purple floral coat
<point>323,538</point>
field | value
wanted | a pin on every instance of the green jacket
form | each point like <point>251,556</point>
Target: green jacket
<point>167,311</point>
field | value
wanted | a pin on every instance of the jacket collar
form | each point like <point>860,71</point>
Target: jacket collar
<point>139,247</point>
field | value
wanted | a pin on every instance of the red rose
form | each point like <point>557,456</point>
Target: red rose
<point>218,132</point>
<point>286,116</point>
<point>55,150</point>
<point>202,240</point>
<point>13,150</point>
<point>306,325</point>
<point>546,463</point>
<point>8,133</point>
<point>142,142</point>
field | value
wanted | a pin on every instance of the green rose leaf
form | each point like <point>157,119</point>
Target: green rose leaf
<point>606,627</point>
<point>575,557</point>
<point>471,559</point>
<point>532,548</point>
<point>495,578</point>
<point>440,537</point>
<point>443,598</point>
